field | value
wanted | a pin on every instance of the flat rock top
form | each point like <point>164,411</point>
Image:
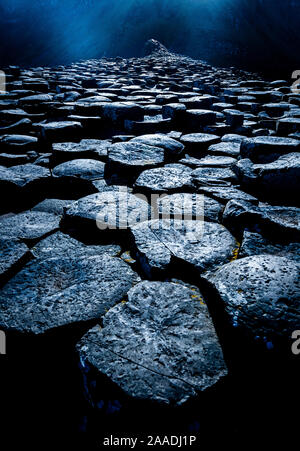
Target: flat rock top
<point>20,140</point>
<point>29,226</point>
<point>63,290</point>
<point>161,345</point>
<point>270,141</point>
<point>11,251</point>
<point>135,154</point>
<point>60,245</point>
<point>195,138</point>
<point>83,168</point>
<point>261,293</point>
<point>61,125</point>
<point>114,208</point>
<point>28,173</point>
<point>96,145</point>
<point>182,138</point>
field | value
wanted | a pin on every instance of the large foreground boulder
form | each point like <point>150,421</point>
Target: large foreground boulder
<point>159,346</point>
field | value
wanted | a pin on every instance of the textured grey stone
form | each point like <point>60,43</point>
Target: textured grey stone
<point>166,179</point>
<point>233,138</point>
<point>209,161</point>
<point>261,296</point>
<point>225,193</point>
<point>162,243</point>
<point>231,149</point>
<point>86,148</point>
<point>150,125</point>
<point>279,179</point>
<point>83,168</point>
<point>189,205</point>
<point>8,159</point>
<point>55,206</point>
<point>17,143</point>
<point>265,149</point>
<point>198,102</point>
<point>282,221</point>
<point>9,179</point>
<point>21,127</point>
<point>35,99</point>
<point>195,119</point>
<point>60,245</point>
<point>213,176</point>
<point>111,210</point>
<point>12,252</point>
<point>61,131</point>
<point>130,159</point>
<point>198,143</point>
<point>117,112</point>
<point>288,125</point>
<point>256,244</point>
<point>62,291</point>
<point>172,148</point>
<point>174,111</point>
<point>160,346</point>
<point>234,118</point>
<point>29,226</point>
<point>26,175</point>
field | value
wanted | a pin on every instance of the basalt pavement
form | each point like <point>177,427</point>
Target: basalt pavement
<point>153,300</point>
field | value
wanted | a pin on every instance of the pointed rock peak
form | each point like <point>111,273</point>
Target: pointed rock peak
<point>153,46</point>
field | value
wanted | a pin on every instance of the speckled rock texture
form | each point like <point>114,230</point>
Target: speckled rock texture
<point>160,345</point>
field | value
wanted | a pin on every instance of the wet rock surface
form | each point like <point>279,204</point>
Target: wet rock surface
<point>100,161</point>
<point>160,345</point>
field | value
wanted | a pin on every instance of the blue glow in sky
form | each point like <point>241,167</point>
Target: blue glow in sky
<point>224,32</point>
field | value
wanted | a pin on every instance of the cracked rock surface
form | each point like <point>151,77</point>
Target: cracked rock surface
<point>160,345</point>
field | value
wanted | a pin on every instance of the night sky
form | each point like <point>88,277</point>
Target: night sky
<point>253,34</point>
